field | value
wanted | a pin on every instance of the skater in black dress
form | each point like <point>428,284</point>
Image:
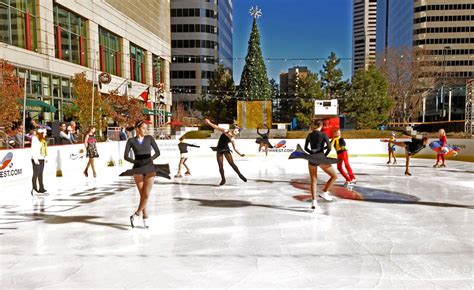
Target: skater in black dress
<point>223,150</point>
<point>143,171</point>
<point>263,140</point>
<point>411,148</point>
<point>318,146</point>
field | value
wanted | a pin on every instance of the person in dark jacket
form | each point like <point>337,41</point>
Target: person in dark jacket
<point>183,151</point>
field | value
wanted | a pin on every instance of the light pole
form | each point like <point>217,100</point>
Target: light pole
<point>444,76</point>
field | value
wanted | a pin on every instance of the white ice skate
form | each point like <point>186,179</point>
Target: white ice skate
<point>326,196</point>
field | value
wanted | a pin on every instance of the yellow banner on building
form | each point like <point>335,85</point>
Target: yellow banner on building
<point>254,114</point>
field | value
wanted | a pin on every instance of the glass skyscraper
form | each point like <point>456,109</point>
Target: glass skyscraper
<point>201,33</point>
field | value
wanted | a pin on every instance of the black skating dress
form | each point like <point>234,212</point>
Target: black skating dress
<point>263,139</point>
<point>415,146</point>
<point>320,148</point>
<point>223,144</point>
<point>143,162</point>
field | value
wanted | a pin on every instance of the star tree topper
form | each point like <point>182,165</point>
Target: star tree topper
<point>255,12</point>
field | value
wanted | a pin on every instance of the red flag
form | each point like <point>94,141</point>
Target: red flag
<point>149,105</point>
<point>145,94</point>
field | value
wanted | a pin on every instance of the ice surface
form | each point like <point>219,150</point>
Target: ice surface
<point>388,231</point>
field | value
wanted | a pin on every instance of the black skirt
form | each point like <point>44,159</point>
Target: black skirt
<point>314,159</point>
<point>221,150</point>
<point>143,168</point>
<point>263,141</point>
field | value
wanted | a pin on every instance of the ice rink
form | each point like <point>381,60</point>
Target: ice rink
<point>388,231</point>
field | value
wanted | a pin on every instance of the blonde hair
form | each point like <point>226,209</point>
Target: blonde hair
<point>441,132</point>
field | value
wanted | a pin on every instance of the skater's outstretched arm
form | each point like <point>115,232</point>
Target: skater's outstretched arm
<point>214,126</point>
<point>192,145</point>
<point>400,144</point>
<point>235,148</point>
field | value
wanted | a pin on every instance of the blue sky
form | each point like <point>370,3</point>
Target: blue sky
<point>295,29</point>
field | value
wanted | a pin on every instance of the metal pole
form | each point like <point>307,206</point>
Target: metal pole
<point>449,105</point>
<point>424,108</point>
<point>444,75</point>
<point>93,90</point>
<point>24,111</point>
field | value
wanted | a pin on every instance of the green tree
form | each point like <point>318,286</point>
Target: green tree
<point>308,90</point>
<point>83,101</point>
<point>331,80</point>
<point>368,101</point>
<point>220,104</point>
<point>254,84</point>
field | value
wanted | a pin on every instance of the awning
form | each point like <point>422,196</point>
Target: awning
<point>37,105</point>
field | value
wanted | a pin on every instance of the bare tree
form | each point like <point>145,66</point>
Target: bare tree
<point>410,77</point>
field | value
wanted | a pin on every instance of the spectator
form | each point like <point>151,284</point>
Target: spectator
<point>18,138</point>
<point>122,135</point>
<point>73,131</point>
<point>64,135</point>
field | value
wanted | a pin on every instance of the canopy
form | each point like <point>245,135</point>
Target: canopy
<point>38,104</point>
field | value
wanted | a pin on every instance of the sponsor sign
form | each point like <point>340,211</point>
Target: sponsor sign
<point>7,167</point>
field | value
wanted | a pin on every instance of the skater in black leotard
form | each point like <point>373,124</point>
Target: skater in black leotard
<point>263,140</point>
<point>223,150</point>
<point>143,171</point>
<point>411,148</point>
<point>318,146</point>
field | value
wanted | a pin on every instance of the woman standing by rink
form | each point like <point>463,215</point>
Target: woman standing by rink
<point>39,152</point>
<point>143,171</point>
<point>91,150</point>
<point>222,150</point>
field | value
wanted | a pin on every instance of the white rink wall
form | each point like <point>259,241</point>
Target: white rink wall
<point>66,159</point>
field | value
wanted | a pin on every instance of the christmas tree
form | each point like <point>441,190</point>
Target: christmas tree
<point>254,84</point>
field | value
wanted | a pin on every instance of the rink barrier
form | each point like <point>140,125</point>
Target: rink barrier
<point>70,160</point>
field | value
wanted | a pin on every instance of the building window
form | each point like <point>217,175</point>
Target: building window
<point>70,35</point>
<point>183,74</point>
<point>158,70</point>
<point>137,63</point>
<point>18,23</point>
<point>110,52</point>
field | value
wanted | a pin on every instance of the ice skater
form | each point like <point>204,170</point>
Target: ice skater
<point>339,145</point>
<point>91,150</point>
<point>391,149</point>
<point>317,157</point>
<point>263,140</point>
<point>440,162</point>
<point>222,150</point>
<point>143,171</point>
<point>411,148</point>
<point>39,153</point>
<point>183,154</point>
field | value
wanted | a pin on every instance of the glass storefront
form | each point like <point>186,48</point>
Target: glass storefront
<point>18,23</point>
<point>51,89</point>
